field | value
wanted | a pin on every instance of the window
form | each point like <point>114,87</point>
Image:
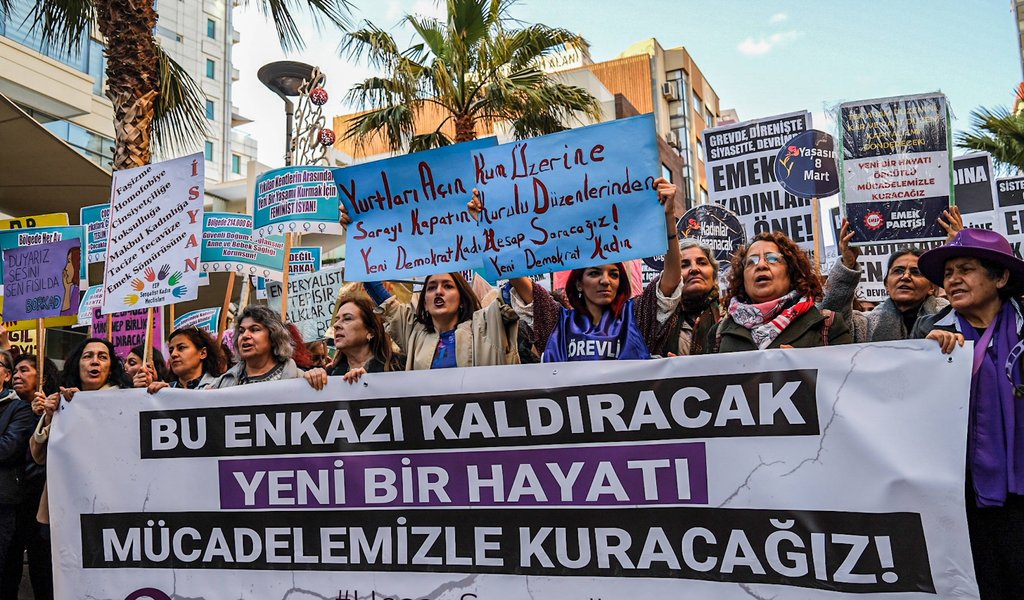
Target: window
<point>698,105</point>
<point>209,109</point>
<point>211,68</point>
<point>700,151</point>
<point>208,150</point>
<point>236,164</point>
<point>703,196</point>
<point>708,117</point>
<point>211,29</point>
<point>666,172</point>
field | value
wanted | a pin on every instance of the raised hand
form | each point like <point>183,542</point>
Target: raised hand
<point>344,217</point>
<point>953,223</point>
<point>846,251</point>
<point>476,205</point>
<point>150,274</point>
<point>164,270</point>
<point>137,285</point>
<point>174,278</point>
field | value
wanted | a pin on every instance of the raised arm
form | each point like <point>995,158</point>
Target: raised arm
<point>672,272</point>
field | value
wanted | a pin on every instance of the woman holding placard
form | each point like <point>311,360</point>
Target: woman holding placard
<point>772,292</point>
<point>603,322</point>
<point>363,344</point>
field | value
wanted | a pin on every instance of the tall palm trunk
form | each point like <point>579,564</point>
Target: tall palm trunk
<point>465,128</point>
<point>132,75</point>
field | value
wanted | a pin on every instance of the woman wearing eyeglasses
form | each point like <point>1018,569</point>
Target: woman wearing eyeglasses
<point>772,291</point>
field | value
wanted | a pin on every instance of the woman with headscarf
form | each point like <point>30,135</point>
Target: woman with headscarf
<point>983,280</point>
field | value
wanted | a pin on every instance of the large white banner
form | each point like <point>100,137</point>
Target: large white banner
<point>825,473</point>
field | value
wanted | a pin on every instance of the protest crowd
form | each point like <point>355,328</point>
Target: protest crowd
<point>967,289</point>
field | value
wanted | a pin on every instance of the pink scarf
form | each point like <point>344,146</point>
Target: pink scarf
<point>768,319</point>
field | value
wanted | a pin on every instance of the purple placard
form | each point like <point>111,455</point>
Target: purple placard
<point>41,281</point>
<point>615,475</point>
<point>129,329</point>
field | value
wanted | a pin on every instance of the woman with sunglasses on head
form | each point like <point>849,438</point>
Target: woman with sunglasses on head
<point>196,362</point>
<point>603,321</point>
<point>771,301</point>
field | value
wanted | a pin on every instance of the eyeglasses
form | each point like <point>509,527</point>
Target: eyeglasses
<point>901,271</point>
<point>771,258</point>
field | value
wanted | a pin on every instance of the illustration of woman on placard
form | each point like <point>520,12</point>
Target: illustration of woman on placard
<point>71,281</point>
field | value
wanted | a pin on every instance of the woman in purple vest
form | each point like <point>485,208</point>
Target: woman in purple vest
<point>603,320</point>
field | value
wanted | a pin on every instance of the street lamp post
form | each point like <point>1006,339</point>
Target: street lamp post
<point>284,78</point>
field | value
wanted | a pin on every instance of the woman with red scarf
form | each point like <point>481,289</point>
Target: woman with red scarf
<point>771,296</point>
<point>603,321</point>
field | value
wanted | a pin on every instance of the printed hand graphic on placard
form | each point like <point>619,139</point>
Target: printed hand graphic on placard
<point>131,299</point>
<point>179,291</point>
<point>164,270</point>
<point>150,274</point>
<point>175,278</point>
<point>137,285</point>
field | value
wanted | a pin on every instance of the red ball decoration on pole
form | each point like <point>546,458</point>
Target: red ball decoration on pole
<point>318,96</point>
<point>326,137</point>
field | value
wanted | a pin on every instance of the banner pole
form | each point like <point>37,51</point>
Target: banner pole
<point>284,276</point>
<point>110,328</point>
<point>41,354</point>
<point>816,225</point>
<point>224,310</point>
<point>243,298</point>
<point>170,323</point>
<point>148,358</point>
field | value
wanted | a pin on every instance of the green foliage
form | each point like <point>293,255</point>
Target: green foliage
<point>478,63</point>
<point>999,133</point>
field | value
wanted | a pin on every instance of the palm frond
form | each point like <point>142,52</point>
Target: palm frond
<point>997,132</point>
<point>334,12</point>
<point>62,23</point>
<point>179,122</point>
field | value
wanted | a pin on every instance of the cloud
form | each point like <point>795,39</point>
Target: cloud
<point>764,45</point>
<point>778,18</point>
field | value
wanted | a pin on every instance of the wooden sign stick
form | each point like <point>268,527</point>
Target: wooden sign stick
<point>284,276</point>
<point>170,319</point>
<point>222,325</point>
<point>816,230</point>
<point>40,354</point>
<point>148,352</point>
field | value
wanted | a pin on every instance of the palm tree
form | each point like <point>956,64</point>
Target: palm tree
<point>477,65</point>
<point>998,132</point>
<point>152,95</point>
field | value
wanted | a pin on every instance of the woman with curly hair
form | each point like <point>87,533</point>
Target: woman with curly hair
<point>771,296</point>
<point>265,349</point>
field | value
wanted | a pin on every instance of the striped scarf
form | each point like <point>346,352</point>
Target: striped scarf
<point>768,319</point>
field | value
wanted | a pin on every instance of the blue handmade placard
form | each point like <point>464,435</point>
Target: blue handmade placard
<point>16,238</point>
<point>409,214</point>
<point>229,246</point>
<point>300,199</point>
<point>572,199</point>
<point>96,221</point>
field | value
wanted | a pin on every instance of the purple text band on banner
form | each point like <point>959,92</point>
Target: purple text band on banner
<point>648,474</point>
